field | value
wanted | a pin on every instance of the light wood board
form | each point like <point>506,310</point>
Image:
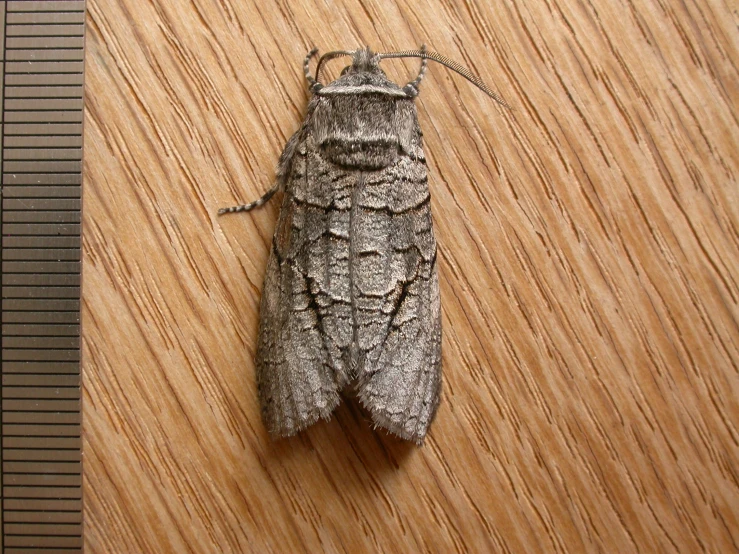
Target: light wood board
<point>589,266</point>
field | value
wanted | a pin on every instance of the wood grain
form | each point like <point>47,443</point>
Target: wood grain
<point>589,257</point>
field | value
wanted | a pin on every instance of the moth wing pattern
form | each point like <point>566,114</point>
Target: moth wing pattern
<point>296,380</point>
<point>351,296</point>
<point>398,314</point>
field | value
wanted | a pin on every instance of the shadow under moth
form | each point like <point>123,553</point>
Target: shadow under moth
<point>351,293</point>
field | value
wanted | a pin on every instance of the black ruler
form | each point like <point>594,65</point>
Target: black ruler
<point>41,167</point>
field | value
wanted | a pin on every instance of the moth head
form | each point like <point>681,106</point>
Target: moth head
<point>364,74</point>
<point>364,60</point>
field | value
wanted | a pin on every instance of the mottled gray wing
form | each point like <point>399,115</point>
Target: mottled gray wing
<point>396,298</point>
<point>305,323</point>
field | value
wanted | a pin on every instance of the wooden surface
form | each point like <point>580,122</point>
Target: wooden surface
<point>589,268</point>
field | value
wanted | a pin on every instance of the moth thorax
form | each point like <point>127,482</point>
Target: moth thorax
<point>364,131</point>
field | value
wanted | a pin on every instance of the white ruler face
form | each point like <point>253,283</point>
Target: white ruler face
<point>41,170</point>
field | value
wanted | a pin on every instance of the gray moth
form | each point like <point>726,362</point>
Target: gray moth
<point>351,293</point>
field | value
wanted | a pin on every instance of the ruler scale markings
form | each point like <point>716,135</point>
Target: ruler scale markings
<point>40,317</point>
<point>40,229</point>
<point>67,116</point>
<point>30,242</point>
<point>68,416</point>
<point>42,456</point>
<point>41,177</point>
<point>40,254</point>
<point>40,306</point>
<point>3,501</point>
<point>28,293</point>
<point>71,355</point>
<point>11,180</point>
<point>71,216</point>
<point>69,406</point>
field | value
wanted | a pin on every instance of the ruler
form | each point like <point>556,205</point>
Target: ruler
<point>41,167</point>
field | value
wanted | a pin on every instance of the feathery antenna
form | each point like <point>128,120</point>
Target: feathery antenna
<point>451,64</point>
<point>330,56</point>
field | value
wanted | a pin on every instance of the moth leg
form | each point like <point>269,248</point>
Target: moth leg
<point>306,68</point>
<point>283,170</point>
<point>246,207</point>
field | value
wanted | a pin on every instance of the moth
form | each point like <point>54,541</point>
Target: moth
<point>351,292</point>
